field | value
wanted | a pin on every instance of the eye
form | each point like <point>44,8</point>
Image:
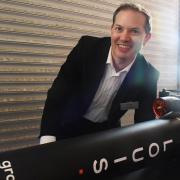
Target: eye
<point>118,29</point>
<point>135,31</point>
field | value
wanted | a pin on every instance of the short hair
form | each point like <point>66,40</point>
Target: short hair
<point>137,8</point>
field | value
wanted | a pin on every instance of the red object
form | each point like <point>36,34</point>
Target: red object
<point>160,107</point>
<point>81,172</point>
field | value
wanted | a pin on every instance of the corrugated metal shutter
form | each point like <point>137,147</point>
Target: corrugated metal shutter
<point>178,65</point>
<point>35,38</point>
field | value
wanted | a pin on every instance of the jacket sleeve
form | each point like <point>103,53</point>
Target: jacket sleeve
<point>147,96</point>
<point>65,82</point>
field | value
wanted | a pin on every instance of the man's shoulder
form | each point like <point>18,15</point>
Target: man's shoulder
<point>149,66</point>
<point>153,69</point>
<point>94,39</point>
<point>90,44</point>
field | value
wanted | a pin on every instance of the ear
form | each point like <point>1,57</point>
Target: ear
<point>112,27</point>
<point>146,39</point>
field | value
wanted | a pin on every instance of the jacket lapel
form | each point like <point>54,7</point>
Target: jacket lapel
<point>94,70</point>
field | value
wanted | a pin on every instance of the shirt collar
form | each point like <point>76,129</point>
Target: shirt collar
<point>126,69</point>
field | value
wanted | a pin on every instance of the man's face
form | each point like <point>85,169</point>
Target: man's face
<point>128,35</point>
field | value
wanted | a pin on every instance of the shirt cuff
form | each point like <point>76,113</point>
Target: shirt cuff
<point>47,139</point>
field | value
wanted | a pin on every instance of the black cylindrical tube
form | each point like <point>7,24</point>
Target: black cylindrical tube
<point>115,151</point>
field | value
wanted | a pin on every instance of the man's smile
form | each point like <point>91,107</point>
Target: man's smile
<point>124,47</point>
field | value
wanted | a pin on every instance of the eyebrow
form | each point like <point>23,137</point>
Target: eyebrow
<point>118,25</point>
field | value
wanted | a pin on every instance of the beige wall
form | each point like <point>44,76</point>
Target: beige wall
<point>37,35</point>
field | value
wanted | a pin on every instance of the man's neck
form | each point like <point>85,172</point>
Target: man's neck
<point>121,63</point>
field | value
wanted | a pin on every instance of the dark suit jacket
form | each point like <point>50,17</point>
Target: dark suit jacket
<point>76,84</point>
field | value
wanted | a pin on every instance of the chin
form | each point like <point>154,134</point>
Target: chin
<point>121,56</point>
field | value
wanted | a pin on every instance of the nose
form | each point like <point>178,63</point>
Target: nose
<point>125,36</point>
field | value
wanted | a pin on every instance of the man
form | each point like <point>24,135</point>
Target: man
<point>101,79</point>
